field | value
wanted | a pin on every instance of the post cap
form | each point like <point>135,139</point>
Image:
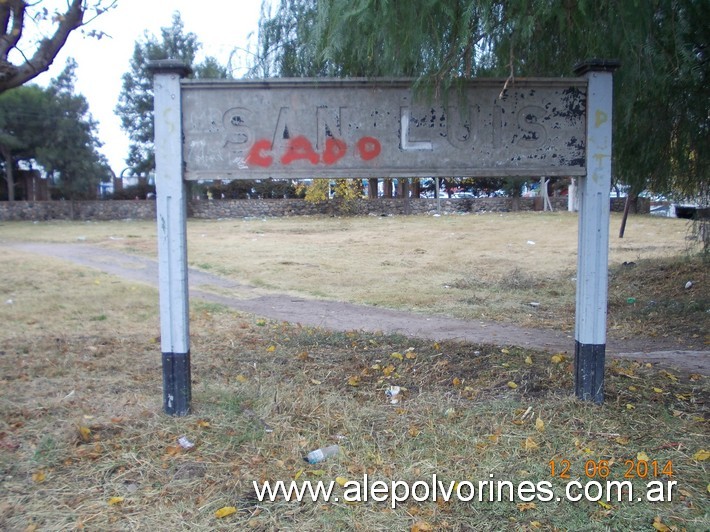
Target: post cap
<point>596,65</point>
<point>169,66</point>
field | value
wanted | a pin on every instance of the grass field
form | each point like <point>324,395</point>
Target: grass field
<point>489,266</point>
<point>84,445</point>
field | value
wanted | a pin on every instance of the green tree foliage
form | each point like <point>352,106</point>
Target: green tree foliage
<point>135,107</point>
<point>52,128</point>
<point>286,47</point>
<point>662,91</point>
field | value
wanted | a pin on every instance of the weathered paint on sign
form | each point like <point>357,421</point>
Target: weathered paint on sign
<point>357,128</point>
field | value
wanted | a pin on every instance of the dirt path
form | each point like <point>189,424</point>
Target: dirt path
<point>347,316</point>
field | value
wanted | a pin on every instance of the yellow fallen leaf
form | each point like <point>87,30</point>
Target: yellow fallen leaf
<point>633,389</point>
<point>203,423</point>
<point>557,359</point>
<point>642,457</point>
<point>413,431</point>
<point>411,355</point>
<point>115,500</point>
<point>701,455</point>
<point>354,381</point>
<point>316,472</point>
<point>456,382</point>
<point>376,367</point>
<point>298,474</point>
<point>524,506</point>
<point>505,351</point>
<point>173,450</point>
<point>540,425</point>
<point>659,525</point>
<point>388,370</point>
<point>629,406</point>
<point>512,385</point>
<point>341,481</point>
<point>303,356</point>
<point>85,433</point>
<point>39,476</point>
<point>529,444</point>
<point>670,376</point>
<point>605,505</point>
<point>271,349</point>
<point>536,524</point>
<point>621,440</point>
<point>658,390</point>
<point>421,526</point>
<point>241,378</point>
<point>225,511</point>
<point>316,382</point>
<point>398,356</point>
<point>528,360</point>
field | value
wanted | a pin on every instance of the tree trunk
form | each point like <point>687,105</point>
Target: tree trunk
<point>387,188</point>
<point>627,207</point>
<point>372,188</point>
<point>9,173</point>
<point>416,188</point>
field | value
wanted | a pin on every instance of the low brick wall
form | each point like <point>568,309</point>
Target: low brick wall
<point>214,209</point>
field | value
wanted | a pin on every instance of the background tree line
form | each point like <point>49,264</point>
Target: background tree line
<point>51,128</point>
<point>662,91</point>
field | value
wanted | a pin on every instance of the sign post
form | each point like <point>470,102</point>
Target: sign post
<point>593,239</point>
<point>171,210</point>
<point>358,128</point>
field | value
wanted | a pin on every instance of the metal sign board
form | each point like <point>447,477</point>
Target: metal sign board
<point>307,128</point>
<point>356,128</point>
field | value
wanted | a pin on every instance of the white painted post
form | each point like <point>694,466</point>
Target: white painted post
<point>572,195</point>
<point>593,240</point>
<point>171,207</point>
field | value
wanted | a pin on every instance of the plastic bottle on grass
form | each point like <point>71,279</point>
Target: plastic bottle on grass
<point>321,454</point>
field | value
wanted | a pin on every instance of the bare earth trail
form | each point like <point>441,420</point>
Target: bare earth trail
<point>341,316</point>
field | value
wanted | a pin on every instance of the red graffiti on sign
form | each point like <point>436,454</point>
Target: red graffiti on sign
<point>300,148</point>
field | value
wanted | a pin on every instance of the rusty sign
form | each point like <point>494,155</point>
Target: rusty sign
<point>358,128</point>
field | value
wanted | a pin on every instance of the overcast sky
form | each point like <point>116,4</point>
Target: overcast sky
<point>220,25</point>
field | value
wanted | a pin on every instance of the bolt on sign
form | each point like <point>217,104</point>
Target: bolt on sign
<point>330,128</point>
<point>359,128</point>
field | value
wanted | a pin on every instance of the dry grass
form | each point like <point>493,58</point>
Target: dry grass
<point>489,266</point>
<point>80,420</point>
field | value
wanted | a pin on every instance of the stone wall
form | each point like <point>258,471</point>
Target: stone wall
<point>77,210</point>
<point>214,209</point>
<point>640,206</point>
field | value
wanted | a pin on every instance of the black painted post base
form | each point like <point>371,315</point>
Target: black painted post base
<point>589,371</point>
<point>177,384</point>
